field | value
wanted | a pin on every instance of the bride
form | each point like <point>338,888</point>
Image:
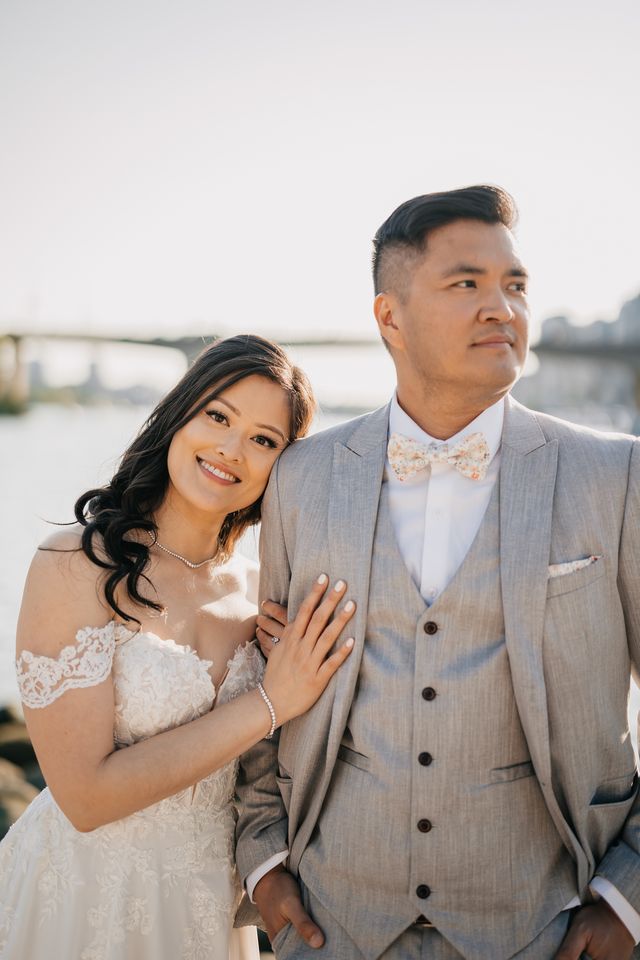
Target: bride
<point>142,683</point>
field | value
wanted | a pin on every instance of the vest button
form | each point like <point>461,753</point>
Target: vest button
<point>423,891</point>
<point>428,693</point>
<point>425,759</point>
<point>424,826</point>
<point>430,627</point>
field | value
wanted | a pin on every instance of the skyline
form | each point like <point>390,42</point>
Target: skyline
<point>171,168</point>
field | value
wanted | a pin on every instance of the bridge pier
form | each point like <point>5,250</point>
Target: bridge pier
<point>14,381</point>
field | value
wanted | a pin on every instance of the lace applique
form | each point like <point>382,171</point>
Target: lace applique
<point>41,680</point>
<point>244,671</point>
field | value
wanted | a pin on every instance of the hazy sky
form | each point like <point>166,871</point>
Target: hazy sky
<point>194,166</point>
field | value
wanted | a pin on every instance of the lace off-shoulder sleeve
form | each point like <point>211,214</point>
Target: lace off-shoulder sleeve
<point>86,663</point>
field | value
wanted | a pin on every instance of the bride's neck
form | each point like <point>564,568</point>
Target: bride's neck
<point>190,533</point>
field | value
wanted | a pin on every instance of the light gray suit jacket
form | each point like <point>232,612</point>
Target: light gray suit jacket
<point>565,493</point>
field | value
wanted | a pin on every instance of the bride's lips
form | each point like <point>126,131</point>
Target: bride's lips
<point>217,473</point>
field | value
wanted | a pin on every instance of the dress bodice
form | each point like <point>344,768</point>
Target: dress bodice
<point>160,882</point>
<point>158,685</point>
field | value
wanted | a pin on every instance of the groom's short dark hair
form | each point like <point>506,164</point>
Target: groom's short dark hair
<point>403,236</point>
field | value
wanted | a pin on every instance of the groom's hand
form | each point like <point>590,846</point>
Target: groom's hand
<point>596,932</point>
<point>277,897</point>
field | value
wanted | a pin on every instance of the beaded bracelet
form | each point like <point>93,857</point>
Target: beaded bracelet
<point>272,713</point>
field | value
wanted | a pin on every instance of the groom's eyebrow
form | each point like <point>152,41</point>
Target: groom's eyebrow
<point>263,426</point>
<point>517,270</point>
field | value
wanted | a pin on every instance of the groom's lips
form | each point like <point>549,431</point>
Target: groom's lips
<point>496,339</point>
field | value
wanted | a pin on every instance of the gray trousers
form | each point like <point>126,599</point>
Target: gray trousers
<point>416,943</point>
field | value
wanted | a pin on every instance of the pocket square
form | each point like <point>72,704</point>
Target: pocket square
<point>562,569</point>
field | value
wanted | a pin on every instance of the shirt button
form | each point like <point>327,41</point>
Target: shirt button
<point>424,759</point>
<point>423,891</point>
<point>428,693</point>
<point>430,627</point>
<point>424,826</point>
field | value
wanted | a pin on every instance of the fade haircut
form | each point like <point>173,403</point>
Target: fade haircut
<point>402,239</point>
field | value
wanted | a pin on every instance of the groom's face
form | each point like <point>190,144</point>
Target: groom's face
<point>461,323</point>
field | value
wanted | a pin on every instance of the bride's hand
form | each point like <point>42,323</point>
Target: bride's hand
<point>301,665</point>
<point>270,623</point>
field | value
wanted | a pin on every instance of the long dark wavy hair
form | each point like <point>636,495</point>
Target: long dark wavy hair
<point>131,498</point>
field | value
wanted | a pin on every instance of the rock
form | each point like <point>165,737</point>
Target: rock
<point>16,793</point>
<point>15,745</point>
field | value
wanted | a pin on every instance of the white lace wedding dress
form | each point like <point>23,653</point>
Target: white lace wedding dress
<point>157,885</point>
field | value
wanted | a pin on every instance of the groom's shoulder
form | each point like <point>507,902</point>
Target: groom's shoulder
<point>612,447</point>
<point>319,446</point>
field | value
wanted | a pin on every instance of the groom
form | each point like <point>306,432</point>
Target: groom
<point>466,786</point>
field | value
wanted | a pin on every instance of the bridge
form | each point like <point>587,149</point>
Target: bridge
<point>14,385</point>
<point>14,382</point>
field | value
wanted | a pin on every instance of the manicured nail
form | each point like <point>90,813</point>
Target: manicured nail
<point>340,585</point>
<point>322,578</point>
<point>349,605</point>
<point>316,940</point>
<point>350,642</point>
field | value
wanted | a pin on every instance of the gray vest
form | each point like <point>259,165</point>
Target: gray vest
<point>434,763</point>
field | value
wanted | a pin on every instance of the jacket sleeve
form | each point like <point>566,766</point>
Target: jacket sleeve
<point>262,825</point>
<point>621,863</point>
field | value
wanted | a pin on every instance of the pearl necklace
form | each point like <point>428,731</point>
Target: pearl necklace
<point>193,566</point>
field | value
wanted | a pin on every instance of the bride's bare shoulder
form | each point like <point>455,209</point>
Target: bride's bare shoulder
<point>62,593</point>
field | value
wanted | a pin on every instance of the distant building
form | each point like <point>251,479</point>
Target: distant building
<point>590,374</point>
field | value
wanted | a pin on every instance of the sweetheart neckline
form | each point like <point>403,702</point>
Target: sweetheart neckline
<point>183,646</point>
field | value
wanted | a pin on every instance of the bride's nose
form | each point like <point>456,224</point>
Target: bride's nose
<point>230,447</point>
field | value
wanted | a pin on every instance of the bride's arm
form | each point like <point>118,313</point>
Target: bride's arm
<point>92,782</point>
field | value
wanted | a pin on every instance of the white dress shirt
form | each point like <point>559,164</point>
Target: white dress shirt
<point>436,514</point>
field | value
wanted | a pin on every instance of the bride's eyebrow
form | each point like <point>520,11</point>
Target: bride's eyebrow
<point>263,426</point>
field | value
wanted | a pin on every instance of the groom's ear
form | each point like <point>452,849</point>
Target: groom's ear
<point>385,308</point>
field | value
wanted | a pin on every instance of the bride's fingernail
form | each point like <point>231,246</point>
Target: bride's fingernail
<point>350,642</point>
<point>349,605</point>
<point>322,578</point>
<point>340,585</point>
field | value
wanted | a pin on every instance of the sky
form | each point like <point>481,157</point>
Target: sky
<point>197,167</point>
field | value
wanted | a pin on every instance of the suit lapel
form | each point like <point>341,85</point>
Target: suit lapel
<point>358,466</point>
<point>527,485</point>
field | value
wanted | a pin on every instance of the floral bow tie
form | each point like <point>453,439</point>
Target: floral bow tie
<point>470,457</point>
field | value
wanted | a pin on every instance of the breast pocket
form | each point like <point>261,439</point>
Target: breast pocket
<point>569,582</point>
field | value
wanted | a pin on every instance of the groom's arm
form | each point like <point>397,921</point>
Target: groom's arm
<point>617,878</point>
<point>262,829</point>
<point>621,864</point>
<point>261,832</point>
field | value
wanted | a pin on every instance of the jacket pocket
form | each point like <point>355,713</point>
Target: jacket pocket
<point>515,771</point>
<point>606,818</point>
<point>285,785</point>
<point>618,790</point>
<point>354,758</point>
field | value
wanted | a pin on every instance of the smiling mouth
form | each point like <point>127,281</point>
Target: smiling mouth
<point>217,472</point>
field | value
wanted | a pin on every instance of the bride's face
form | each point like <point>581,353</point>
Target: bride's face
<point>221,459</point>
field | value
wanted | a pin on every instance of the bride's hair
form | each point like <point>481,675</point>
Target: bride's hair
<point>127,503</point>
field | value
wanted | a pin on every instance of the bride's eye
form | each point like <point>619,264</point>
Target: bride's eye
<point>266,442</point>
<point>217,416</point>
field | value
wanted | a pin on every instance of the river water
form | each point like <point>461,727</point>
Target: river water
<point>47,458</point>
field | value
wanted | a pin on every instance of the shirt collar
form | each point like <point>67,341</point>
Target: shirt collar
<point>489,422</point>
